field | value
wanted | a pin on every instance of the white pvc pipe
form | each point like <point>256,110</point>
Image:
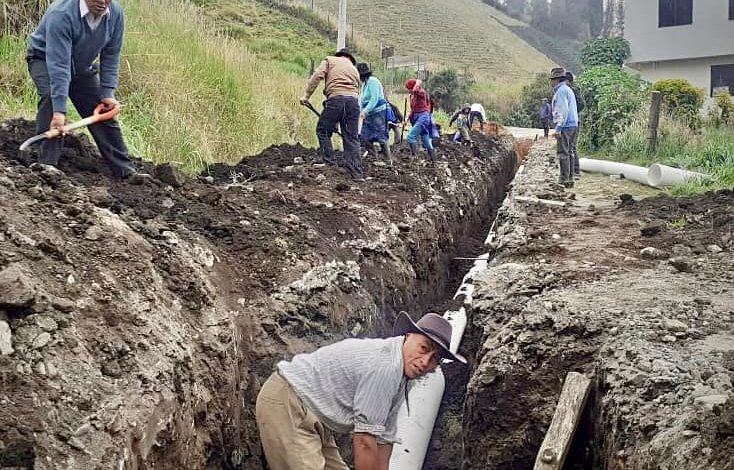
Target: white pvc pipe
<point>634,173</point>
<point>425,395</point>
<point>415,429</point>
<point>424,400</point>
<point>662,175</point>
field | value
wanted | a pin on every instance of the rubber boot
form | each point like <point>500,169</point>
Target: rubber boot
<point>432,156</point>
<point>387,152</point>
<point>413,149</point>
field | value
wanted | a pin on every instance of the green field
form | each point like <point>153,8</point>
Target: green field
<point>463,34</point>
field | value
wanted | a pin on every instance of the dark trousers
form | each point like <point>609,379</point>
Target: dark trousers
<point>85,93</point>
<point>565,139</point>
<point>476,115</point>
<point>342,110</point>
<point>545,123</point>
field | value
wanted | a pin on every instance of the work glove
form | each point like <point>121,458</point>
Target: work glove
<point>304,100</point>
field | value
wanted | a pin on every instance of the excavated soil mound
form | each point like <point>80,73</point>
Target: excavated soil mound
<point>634,293</point>
<point>137,322</point>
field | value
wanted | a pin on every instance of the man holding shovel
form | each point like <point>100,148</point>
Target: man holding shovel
<point>61,60</point>
<point>341,89</point>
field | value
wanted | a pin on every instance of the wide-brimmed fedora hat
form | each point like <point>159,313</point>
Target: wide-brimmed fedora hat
<point>557,73</point>
<point>345,53</point>
<point>434,327</point>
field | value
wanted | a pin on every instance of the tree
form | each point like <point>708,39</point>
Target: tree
<point>605,51</point>
<point>449,89</point>
<point>539,14</point>
<point>516,8</point>
<point>596,17</point>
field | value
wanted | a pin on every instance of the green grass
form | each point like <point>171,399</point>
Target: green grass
<point>199,84</point>
<point>710,151</point>
<point>17,97</point>
<point>462,34</point>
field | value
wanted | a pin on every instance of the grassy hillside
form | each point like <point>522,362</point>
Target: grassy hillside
<point>196,88</point>
<point>458,33</point>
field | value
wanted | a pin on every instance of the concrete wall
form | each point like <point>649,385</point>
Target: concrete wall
<point>711,34</point>
<point>696,71</point>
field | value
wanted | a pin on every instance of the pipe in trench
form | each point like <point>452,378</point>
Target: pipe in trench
<point>425,395</point>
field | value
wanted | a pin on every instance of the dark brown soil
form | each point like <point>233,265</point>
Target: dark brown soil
<point>156,312</point>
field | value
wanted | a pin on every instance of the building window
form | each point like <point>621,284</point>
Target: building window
<point>675,12</point>
<point>722,78</point>
<point>731,9</point>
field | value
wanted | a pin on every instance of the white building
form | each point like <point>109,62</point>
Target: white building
<point>688,39</point>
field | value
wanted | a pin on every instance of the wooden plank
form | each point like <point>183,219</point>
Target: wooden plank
<point>535,200</point>
<point>552,454</point>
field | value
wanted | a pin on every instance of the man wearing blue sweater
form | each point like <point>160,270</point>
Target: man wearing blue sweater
<point>62,61</point>
<point>566,120</point>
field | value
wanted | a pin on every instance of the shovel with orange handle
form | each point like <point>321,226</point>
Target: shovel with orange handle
<point>98,115</point>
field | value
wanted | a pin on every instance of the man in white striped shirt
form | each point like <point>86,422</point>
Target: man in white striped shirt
<point>355,385</point>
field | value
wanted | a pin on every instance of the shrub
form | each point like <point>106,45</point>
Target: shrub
<point>612,97</point>
<point>605,51</point>
<point>517,118</point>
<point>725,107</point>
<point>682,100</point>
<point>449,89</point>
<point>532,94</point>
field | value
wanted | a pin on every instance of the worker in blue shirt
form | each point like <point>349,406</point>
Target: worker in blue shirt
<point>374,110</point>
<point>565,118</point>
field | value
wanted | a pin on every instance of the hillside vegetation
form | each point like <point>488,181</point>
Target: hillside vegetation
<point>196,88</point>
<point>463,34</point>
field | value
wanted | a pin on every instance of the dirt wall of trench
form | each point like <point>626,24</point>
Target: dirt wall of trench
<point>138,322</point>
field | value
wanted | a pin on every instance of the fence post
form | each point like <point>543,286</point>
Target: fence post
<point>652,128</point>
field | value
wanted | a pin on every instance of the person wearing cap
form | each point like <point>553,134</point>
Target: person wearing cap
<point>546,114</point>
<point>462,119</point>
<point>421,119</point>
<point>354,386</point>
<point>477,112</point>
<point>579,107</point>
<point>74,53</point>
<point>565,118</point>
<point>341,89</point>
<point>374,112</point>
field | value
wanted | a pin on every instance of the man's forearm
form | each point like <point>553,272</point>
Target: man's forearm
<point>366,453</point>
<point>384,451</point>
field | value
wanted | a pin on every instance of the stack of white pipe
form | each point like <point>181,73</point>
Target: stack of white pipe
<point>656,176</point>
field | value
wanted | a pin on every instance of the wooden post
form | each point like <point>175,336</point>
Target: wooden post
<point>652,128</point>
<point>552,454</point>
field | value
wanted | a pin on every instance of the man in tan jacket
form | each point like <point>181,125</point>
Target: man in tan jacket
<point>341,88</point>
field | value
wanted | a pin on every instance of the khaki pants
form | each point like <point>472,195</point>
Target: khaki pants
<point>292,436</point>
